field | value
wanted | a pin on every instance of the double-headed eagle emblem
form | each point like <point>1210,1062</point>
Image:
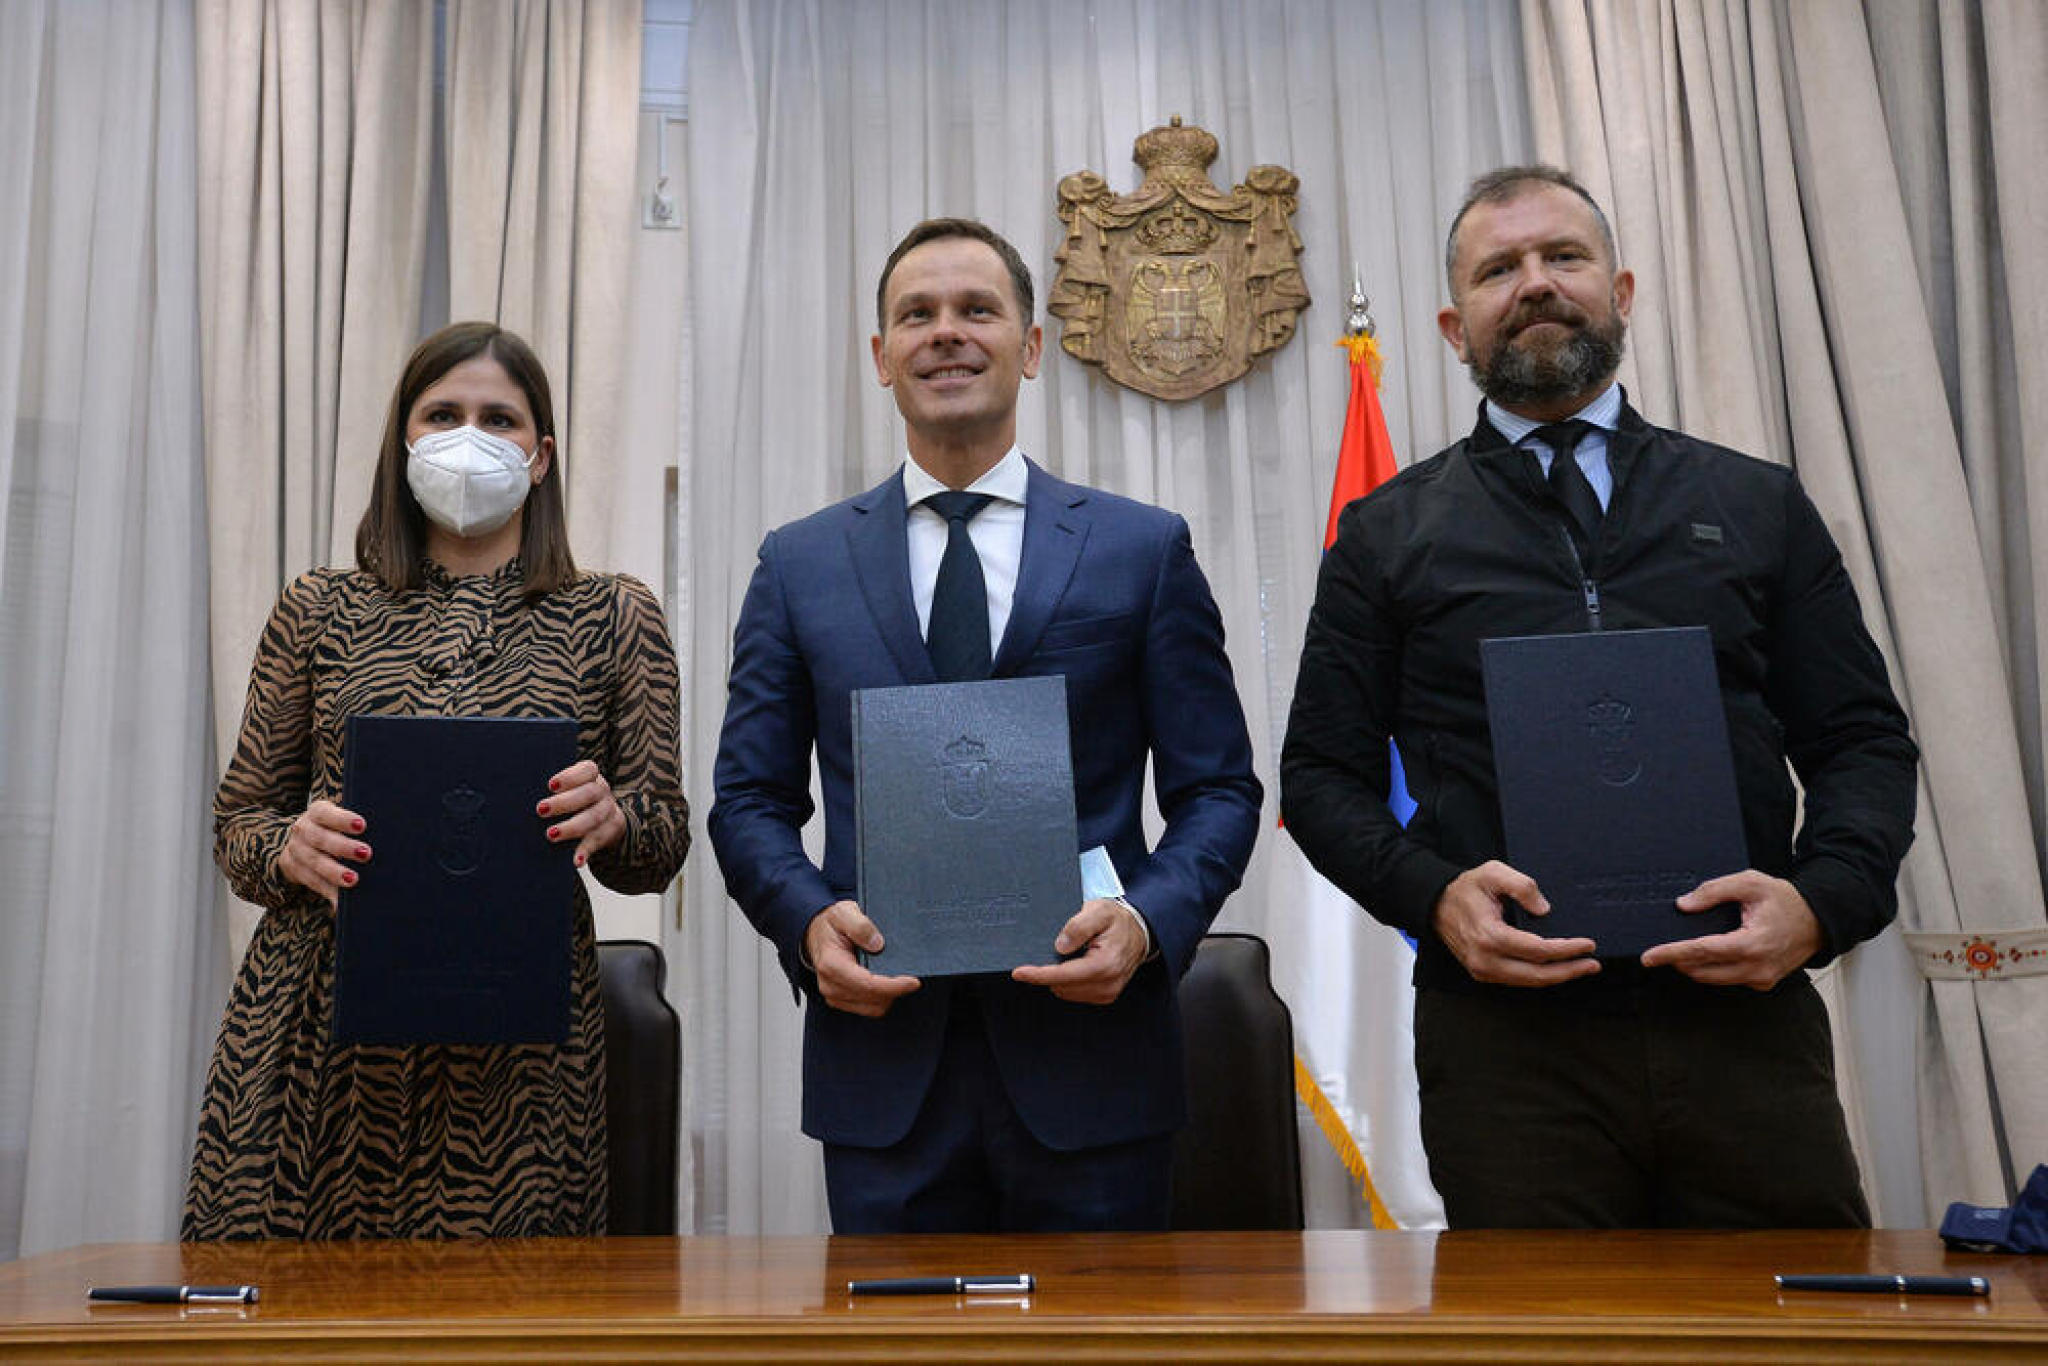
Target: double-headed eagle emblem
<point>1177,287</point>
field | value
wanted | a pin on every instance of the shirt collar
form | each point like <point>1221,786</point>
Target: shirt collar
<point>1007,481</point>
<point>1603,412</point>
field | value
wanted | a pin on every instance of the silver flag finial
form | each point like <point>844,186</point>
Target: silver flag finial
<point>1359,323</point>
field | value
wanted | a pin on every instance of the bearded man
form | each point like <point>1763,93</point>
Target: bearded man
<point>1692,1086</point>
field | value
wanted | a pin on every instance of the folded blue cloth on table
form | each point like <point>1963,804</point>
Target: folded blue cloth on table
<point>2019,1227</point>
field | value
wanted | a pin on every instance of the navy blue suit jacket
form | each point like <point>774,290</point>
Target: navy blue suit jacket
<point>1109,595</point>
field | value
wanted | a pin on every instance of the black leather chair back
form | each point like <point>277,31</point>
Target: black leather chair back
<point>1238,1163</point>
<point>642,1086</point>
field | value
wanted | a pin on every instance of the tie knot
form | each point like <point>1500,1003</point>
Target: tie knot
<point>1563,437</point>
<point>959,507</point>
<point>1568,483</point>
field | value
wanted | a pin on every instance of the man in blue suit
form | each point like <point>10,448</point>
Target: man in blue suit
<point>1045,1100</point>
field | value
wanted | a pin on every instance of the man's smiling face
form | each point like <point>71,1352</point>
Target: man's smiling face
<point>954,346</point>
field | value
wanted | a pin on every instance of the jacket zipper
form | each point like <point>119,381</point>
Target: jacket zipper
<point>1588,590</point>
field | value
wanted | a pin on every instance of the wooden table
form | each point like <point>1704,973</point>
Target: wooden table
<point>1237,1297</point>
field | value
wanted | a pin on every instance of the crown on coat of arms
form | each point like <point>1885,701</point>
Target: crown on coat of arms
<point>1177,230</point>
<point>462,802</point>
<point>966,751</point>
<point>1176,152</point>
<point>1608,714</point>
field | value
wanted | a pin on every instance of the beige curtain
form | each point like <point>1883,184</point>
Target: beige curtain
<point>1819,202</point>
<point>110,955</point>
<point>2015,89</point>
<point>315,146</point>
<point>542,117</point>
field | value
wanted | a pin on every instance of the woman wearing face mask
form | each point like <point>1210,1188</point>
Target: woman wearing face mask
<point>464,601</point>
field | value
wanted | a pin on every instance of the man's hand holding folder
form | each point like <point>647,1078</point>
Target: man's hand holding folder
<point>1471,920</point>
<point>833,944</point>
<point>1779,934</point>
<point>1108,943</point>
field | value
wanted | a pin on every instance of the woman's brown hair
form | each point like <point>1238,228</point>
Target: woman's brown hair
<point>391,540</point>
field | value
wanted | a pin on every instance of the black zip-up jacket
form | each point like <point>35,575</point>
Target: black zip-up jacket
<point>1470,544</point>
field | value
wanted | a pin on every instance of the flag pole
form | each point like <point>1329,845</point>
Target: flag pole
<point>1364,460</point>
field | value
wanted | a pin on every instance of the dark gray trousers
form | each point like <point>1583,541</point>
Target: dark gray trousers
<point>1661,1105</point>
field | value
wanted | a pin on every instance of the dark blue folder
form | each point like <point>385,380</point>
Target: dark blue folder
<point>459,932</point>
<point>964,818</point>
<point>1617,790</point>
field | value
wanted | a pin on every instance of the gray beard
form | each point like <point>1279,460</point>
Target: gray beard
<point>1512,376</point>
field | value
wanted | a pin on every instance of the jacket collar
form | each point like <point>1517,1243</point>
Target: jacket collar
<point>1624,444</point>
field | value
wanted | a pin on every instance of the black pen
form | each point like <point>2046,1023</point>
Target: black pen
<point>173,1294</point>
<point>946,1285</point>
<point>1889,1285</point>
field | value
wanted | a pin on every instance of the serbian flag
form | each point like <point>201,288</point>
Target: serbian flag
<point>1350,977</point>
<point>1365,460</point>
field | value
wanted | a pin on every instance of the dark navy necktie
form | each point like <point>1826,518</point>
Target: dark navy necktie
<point>1568,483</point>
<point>957,634</point>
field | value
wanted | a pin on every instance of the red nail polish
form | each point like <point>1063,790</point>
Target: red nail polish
<point>579,860</point>
<point>362,851</point>
<point>348,878</point>
<point>542,808</point>
<point>554,832</point>
<point>554,784</point>
<point>357,825</point>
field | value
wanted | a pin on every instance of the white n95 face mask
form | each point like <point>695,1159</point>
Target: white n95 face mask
<point>468,481</point>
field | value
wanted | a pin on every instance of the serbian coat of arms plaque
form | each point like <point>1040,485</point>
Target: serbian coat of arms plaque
<point>1176,288</point>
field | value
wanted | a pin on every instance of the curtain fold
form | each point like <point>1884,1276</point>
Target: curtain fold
<point>110,984</point>
<point>314,158</point>
<point>1815,225</point>
<point>819,133</point>
<point>542,122</point>
<point>2013,308</point>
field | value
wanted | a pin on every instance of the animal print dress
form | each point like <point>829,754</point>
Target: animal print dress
<point>300,1138</point>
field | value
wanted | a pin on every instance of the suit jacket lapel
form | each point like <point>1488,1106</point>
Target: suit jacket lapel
<point>881,562</point>
<point>1055,529</point>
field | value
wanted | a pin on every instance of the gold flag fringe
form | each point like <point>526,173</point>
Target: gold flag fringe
<point>1363,347</point>
<point>1340,1139</point>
